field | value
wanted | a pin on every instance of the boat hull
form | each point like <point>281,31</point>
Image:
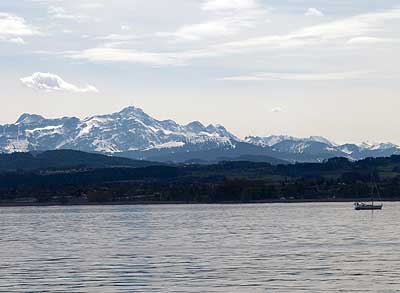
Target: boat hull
<point>368,207</point>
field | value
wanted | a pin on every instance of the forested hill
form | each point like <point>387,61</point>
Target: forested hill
<point>64,159</point>
<point>114,180</point>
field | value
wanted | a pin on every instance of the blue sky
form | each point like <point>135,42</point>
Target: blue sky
<point>258,67</point>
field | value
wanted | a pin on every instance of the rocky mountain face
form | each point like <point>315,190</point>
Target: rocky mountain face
<point>133,133</point>
<point>128,130</point>
<point>317,148</point>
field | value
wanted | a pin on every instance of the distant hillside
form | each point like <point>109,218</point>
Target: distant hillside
<point>240,152</point>
<point>228,181</point>
<point>65,159</point>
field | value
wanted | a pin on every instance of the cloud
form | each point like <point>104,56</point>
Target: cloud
<point>93,5</point>
<point>122,55</point>
<point>51,82</point>
<point>202,30</point>
<point>327,33</point>
<point>224,5</point>
<point>330,34</point>
<point>125,27</point>
<point>13,28</point>
<point>57,12</point>
<point>45,1</point>
<point>370,41</point>
<point>313,12</point>
<point>115,37</point>
<point>110,54</point>
<point>272,76</point>
<point>17,40</point>
<point>276,110</point>
<point>226,17</point>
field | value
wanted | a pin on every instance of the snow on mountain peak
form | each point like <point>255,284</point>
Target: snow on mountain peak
<point>133,130</point>
<point>275,139</point>
<point>27,118</point>
<point>367,145</point>
<point>322,139</point>
<point>129,129</point>
<point>131,109</point>
<point>195,126</point>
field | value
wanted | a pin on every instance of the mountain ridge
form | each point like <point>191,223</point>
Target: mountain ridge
<point>133,133</point>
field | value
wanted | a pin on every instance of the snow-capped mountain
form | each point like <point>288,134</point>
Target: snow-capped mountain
<point>275,139</point>
<point>128,130</point>
<point>133,133</point>
<point>313,148</point>
<point>319,148</point>
<point>367,149</point>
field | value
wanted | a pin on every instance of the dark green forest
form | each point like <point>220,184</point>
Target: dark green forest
<point>62,177</point>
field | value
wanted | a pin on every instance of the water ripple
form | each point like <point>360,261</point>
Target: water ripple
<point>200,248</point>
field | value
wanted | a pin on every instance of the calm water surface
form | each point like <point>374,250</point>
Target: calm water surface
<point>200,248</point>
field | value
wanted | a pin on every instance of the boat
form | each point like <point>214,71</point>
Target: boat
<point>361,206</point>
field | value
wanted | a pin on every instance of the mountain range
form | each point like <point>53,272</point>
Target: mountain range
<point>134,134</point>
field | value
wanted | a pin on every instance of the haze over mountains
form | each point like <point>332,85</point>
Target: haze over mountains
<point>133,133</point>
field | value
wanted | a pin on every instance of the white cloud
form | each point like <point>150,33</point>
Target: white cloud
<point>276,110</point>
<point>337,32</point>
<point>46,1</point>
<point>57,12</point>
<point>92,5</point>
<point>313,12</point>
<point>17,40</point>
<point>125,27</point>
<point>121,55</point>
<point>330,34</point>
<point>52,82</point>
<point>272,76</point>
<point>115,37</point>
<point>224,5</point>
<point>13,28</point>
<point>202,30</point>
<point>370,41</point>
<point>110,54</point>
<point>226,17</point>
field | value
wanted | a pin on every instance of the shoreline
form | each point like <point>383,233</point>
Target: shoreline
<point>58,204</point>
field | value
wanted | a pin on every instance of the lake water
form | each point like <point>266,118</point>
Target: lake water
<point>312,247</point>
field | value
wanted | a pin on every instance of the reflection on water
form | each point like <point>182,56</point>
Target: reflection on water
<point>200,248</point>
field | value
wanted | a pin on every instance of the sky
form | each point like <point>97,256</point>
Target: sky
<point>259,67</point>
